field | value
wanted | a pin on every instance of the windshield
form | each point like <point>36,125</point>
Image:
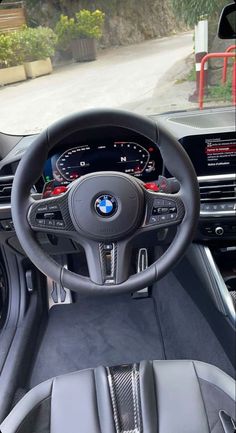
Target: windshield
<point>57,58</point>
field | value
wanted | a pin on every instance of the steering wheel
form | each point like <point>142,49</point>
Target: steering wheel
<point>105,211</point>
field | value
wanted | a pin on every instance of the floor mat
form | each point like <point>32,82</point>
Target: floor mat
<point>92,332</point>
<point>186,332</point>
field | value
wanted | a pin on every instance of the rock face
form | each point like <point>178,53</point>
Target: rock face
<point>127,21</point>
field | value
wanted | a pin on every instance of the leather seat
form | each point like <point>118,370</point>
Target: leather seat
<point>150,397</point>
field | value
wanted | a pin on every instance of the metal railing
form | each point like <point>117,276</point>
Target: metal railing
<point>225,67</point>
<point>225,55</point>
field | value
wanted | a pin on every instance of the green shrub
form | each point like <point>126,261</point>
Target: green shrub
<point>11,51</point>
<point>86,24</point>
<point>38,43</point>
<point>26,45</point>
<point>220,92</point>
<point>65,30</point>
<point>89,24</point>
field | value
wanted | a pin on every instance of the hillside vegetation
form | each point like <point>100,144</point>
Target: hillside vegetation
<point>127,21</point>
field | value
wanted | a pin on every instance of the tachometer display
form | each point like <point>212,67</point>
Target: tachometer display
<point>127,157</point>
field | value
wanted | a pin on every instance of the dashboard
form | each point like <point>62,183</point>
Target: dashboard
<point>208,137</point>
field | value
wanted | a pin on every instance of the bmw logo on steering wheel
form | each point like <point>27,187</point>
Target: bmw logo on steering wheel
<point>106,205</point>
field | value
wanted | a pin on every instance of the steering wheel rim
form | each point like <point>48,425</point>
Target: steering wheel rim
<point>170,150</point>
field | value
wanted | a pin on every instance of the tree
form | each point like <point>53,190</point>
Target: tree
<point>191,11</point>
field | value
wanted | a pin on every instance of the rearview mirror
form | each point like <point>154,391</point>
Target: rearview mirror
<point>227,23</point>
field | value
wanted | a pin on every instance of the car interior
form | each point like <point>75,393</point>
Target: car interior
<point>118,273</point>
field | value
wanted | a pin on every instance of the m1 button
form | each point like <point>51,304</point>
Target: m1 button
<point>40,222</point>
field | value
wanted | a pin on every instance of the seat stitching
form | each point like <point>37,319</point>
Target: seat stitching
<point>134,399</point>
<point>52,391</point>
<point>135,402</point>
<point>96,398</point>
<point>203,401</point>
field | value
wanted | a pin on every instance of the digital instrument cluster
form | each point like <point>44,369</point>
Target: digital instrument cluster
<point>123,156</point>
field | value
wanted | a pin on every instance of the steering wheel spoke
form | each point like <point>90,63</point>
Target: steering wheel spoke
<point>108,262</point>
<point>51,215</point>
<point>163,210</point>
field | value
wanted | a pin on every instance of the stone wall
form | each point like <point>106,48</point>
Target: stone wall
<point>127,21</point>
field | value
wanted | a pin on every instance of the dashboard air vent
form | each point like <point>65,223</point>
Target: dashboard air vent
<point>218,190</point>
<point>5,188</point>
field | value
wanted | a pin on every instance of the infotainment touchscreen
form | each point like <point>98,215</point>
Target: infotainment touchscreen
<point>212,154</point>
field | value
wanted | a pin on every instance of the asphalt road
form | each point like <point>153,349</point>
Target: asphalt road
<point>121,77</point>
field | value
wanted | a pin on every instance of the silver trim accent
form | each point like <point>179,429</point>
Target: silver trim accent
<point>52,286</point>
<point>217,199</point>
<point>228,249</point>
<point>6,178</point>
<point>142,264</point>
<point>216,177</point>
<point>218,213</point>
<point>5,207</point>
<point>223,291</point>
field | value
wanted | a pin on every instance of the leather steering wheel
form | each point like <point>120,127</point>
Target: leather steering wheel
<point>80,215</point>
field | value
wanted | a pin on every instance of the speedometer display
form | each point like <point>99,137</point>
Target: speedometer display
<point>127,157</point>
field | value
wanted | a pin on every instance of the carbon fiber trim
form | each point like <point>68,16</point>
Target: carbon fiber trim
<point>108,270</point>
<point>125,396</point>
<point>233,295</point>
<point>62,203</point>
<point>149,199</point>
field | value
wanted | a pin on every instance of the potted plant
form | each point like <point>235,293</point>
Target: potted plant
<point>11,58</point>
<point>81,33</point>
<point>38,48</point>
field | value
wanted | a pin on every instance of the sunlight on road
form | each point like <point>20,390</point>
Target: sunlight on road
<point>120,77</point>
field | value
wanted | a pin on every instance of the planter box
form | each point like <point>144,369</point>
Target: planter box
<point>12,75</point>
<point>38,68</point>
<point>84,50</point>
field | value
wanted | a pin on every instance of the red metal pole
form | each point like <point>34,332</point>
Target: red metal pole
<point>224,73</point>
<point>234,83</point>
<point>204,60</point>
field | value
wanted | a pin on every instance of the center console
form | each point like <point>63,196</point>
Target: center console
<point>214,159</point>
